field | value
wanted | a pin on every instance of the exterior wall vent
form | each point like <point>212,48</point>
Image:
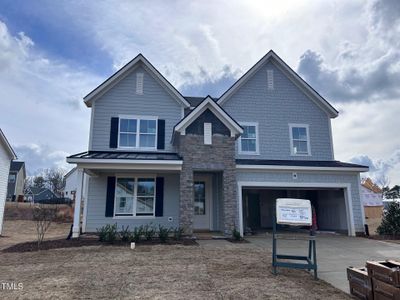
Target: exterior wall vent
<point>270,79</point>
<point>207,134</point>
<point>139,83</point>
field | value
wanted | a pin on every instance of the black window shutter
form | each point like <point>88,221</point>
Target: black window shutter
<point>110,196</point>
<point>114,133</point>
<point>161,134</point>
<point>159,196</point>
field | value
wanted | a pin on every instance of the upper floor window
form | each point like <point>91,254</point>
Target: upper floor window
<point>138,132</point>
<point>299,139</point>
<point>11,178</point>
<point>248,142</point>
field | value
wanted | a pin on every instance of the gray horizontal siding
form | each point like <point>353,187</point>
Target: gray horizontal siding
<point>97,204</point>
<point>274,110</point>
<point>123,100</point>
<point>304,177</point>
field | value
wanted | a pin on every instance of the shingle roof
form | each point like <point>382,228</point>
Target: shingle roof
<point>194,101</point>
<point>299,163</point>
<point>16,165</point>
<point>127,155</point>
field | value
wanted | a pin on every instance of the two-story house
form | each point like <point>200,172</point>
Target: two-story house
<point>211,164</point>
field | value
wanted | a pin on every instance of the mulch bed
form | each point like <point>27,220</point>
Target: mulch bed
<point>82,242</point>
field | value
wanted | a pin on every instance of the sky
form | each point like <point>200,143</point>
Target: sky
<point>53,53</point>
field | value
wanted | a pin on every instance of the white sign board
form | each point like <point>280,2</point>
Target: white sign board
<point>291,211</point>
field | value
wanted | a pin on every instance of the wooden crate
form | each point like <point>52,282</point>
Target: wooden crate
<point>360,283</point>
<point>384,291</point>
<point>385,271</point>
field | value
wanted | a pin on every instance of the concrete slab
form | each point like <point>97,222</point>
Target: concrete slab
<point>335,253</point>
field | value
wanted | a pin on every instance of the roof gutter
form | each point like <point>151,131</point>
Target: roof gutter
<point>301,168</point>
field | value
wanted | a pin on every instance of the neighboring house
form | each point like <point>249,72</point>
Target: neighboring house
<point>70,183</point>
<point>7,154</point>
<point>158,157</point>
<point>37,195</point>
<point>372,200</point>
<point>16,181</point>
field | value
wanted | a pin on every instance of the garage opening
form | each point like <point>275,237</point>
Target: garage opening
<point>329,203</point>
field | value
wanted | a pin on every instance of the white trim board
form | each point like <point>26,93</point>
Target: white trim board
<point>216,109</point>
<point>271,184</point>
<point>299,168</point>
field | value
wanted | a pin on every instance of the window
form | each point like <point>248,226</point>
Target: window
<point>137,132</point>
<point>299,139</point>
<point>139,83</point>
<point>248,142</point>
<point>11,178</point>
<point>135,196</point>
<point>207,133</point>
<point>199,198</point>
<point>270,79</point>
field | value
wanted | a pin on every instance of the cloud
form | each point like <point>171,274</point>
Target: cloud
<point>38,157</point>
<point>366,70</point>
<point>41,101</point>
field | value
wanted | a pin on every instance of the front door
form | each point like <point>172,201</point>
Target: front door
<point>202,202</point>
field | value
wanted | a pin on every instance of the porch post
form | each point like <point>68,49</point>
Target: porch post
<point>86,178</point>
<point>78,199</point>
<point>186,203</point>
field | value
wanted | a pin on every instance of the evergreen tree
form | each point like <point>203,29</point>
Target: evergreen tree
<point>391,220</point>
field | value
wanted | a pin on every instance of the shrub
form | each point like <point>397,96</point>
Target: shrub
<point>163,233</point>
<point>125,235</point>
<point>149,231</point>
<point>43,215</point>
<point>137,234</point>
<point>178,233</point>
<point>236,235</point>
<point>108,233</point>
<point>391,220</point>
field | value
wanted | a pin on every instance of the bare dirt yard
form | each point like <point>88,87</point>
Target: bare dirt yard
<point>214,270</point>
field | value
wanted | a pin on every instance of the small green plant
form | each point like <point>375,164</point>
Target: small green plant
<point>391,220</point>
<point>163,233</point>
<point>177,233</point>
<point>137,234</point>
<point>149,231</point>
<point>108,233</point>
<point>125,234</point>
<point>236,235</point>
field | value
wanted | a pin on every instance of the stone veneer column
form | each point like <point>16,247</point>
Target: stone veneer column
<point>186,203</point>
<point>230,210</point>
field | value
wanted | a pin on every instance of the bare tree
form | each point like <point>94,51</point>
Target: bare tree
<point>43,216</point>
<point>55,180</point>
<point>39,181</point>
<point>384,182</point>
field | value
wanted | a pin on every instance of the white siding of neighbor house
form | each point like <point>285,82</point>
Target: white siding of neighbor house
<point>71,184</point>
<point>19,188</point>
<point>314,177</point>
<point>97,205</point>
<point>274,109</point>
<point>122,99</point>
<point>4,171</point>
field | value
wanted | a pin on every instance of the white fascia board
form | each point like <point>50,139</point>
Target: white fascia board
<point>7,145</point>
<point>300,168</point>
<point>121,73</point>
<point>209,103</point>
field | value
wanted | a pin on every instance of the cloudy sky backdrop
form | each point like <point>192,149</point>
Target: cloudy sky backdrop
<point>52,53</point>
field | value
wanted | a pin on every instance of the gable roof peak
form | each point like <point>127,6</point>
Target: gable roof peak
<point>122,72</point>
<point>291,75</point>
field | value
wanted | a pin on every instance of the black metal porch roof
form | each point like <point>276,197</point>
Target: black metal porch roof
<point>127,155</point>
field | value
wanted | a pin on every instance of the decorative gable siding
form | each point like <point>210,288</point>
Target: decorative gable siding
<point>122,99</point>
<point>274,109</point>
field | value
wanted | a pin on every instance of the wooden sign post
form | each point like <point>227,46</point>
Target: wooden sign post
<point>294,212</point>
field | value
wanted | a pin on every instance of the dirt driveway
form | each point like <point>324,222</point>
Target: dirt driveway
<point>212,270</point>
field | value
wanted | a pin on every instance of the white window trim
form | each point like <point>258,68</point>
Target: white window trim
<point>137,118</point>
<point>134,216</point>
<point>306,126</point>
<point>257,152</point>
